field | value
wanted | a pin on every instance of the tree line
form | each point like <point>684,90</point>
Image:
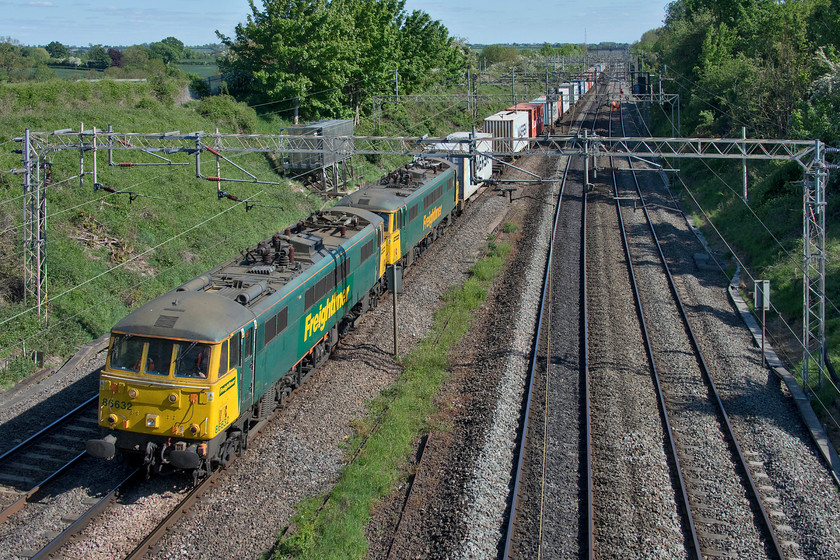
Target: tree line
<point>19,62</point>
<point>325,58</point>
<point>770,66</point>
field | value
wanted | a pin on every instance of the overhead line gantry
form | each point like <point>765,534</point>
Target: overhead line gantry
<point>38,147</point>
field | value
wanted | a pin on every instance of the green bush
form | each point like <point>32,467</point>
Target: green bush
<point>228,112</point>
<point>164,89</point>
<point>199,85</point>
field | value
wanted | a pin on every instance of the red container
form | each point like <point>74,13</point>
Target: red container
<point>535,116</point>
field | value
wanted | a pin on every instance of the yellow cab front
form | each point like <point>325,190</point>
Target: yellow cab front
<point>162,396</point>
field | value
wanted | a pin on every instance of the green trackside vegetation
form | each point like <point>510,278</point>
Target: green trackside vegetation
<point>333,526</point>
<point>766,234</point>
<point>106,254</point>
<point>771,67</point>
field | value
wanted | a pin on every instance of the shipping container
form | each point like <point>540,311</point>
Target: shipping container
<point>551,109</point>
<point>563,102</point>
<point>470,172</point>
<point>569,91</point>
<point>535,117</point>
<point>507,127</point>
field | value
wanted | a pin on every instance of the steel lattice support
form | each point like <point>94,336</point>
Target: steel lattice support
<point>814,244</point>
<point>34,227</point>
<point>809,154</point>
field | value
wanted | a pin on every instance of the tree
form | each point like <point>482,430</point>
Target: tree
<point>169,50</point>
<point>323,50</point>
<point>135,56</point>
<point>376,31</point>
<point>116,57</point>
<point>499,53</point>
<point>428,52</point>
<point>11,61</point>
<point>35,55</point>
<point>295,50</point>
<point>57,50</point>
<point>97,57</point>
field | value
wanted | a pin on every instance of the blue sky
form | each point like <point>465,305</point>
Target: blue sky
<point>84,22</point>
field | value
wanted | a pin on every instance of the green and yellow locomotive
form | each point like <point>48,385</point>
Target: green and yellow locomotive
<point>416,202</point>
<point>191,372</point>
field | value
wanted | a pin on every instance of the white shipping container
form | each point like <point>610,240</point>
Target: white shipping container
<point>565,101</point>
<point>507,126</point>
<point>569,90</point>
<point>471,174</point>
<point>550,112</point>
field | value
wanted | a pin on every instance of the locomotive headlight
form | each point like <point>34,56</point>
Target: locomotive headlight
<point>152,420</point>
<point>132,393</point>
<point>112,418</point>
<point>173,398</point>
<point>194,429</point>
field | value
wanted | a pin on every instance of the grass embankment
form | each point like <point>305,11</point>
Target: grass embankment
<point>106,254</point>
<point>334,526</point>
<point>766,235</point>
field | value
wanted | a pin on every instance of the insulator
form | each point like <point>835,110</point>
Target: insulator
<point>283,257</point>
<point>125,164</point>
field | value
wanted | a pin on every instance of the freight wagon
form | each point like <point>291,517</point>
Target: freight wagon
<point>535,117</point>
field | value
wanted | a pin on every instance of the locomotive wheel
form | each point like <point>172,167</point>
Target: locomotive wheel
<point>231,445</point>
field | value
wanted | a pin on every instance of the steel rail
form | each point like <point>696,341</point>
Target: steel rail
<point>590,479</point>
<point>508,537</point>
<point>80,523</point>
<point>18,504</point>
<point>669,434</point>
<point>172,517</point>
<point>47,429</point>
<point>33,440</point>
<point>741,460</point>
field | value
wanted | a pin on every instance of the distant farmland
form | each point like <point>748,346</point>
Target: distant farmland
<point>202,70</point>
<point>64,72</point>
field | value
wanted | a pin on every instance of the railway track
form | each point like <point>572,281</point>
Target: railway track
<point>722,509</point>
<point>554,457</point>
<point>46,455</point>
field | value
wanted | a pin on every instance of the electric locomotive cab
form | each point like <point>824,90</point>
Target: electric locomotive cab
<point>171,397</point>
